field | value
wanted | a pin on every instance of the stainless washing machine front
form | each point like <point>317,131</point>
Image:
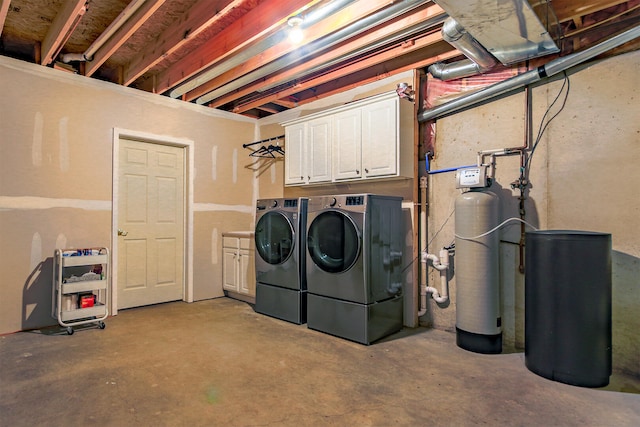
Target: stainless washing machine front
<point>354,247</point>
<point>280,224</point>
<point>280,259</point>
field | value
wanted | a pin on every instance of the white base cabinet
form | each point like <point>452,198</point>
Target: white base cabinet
<point>238,265</point>
<point>368,139</point>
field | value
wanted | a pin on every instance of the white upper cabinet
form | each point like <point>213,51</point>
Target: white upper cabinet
<point>372,138</point>
<point>380,138</point>
<point>319,150</point>
<point>308,151</point>
<point>295,160</point>
<point>347,146</point>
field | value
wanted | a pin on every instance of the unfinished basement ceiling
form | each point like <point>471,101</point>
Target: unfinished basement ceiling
<point>235,55</point>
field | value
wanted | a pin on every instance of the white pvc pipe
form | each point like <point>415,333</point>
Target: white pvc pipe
<point>442,265</point>
<point>423,245</point>
<point>104,37</point>
<point>69,57</point>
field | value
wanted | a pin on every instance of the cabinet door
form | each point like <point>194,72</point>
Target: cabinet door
<point>230,269</point>
<point>244,273</point>
<point>319,150</point>
<point>380,141</point>
<point>295,159</point>
<point>347,143</point>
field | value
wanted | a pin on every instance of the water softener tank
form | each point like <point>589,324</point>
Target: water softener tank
<point>478,321</point>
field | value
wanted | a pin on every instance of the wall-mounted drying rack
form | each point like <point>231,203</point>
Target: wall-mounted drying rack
<point>266,150</point>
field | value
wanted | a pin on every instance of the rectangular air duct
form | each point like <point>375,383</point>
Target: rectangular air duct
<point>509,29</point>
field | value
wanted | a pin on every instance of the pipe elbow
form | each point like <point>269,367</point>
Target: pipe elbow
<point>71,57</point>
<point>435,295</point>
<point>439,264</point>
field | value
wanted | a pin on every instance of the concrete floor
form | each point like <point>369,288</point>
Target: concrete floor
<point>218,363</point>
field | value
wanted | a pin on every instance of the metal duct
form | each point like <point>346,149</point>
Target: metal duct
<point>480,60</point>
<point>509,29</point>
<point>553,67</point>
<point>345,33</point>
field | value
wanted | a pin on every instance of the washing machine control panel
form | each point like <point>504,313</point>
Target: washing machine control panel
<point>290,203</point>
<point>354,200</point>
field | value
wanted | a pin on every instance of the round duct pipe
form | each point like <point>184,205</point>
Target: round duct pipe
<point>551,68</point>
<point>478,321</point>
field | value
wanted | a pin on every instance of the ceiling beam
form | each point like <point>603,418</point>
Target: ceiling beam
<point>431,43</point>
<point>346,16</point>
<point>415,60</point>
<point>335,53</point>
<point>268,109</point>
<point>581,28</point>
<point>4,9</point>
<point>61,28</point>
<point>285,103</point>
<point>122,35</point>
<point>261,20</point>
<point>567,10</point>
<point>198,18</point>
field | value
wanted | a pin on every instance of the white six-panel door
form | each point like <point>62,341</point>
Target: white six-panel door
<point>151,222</point>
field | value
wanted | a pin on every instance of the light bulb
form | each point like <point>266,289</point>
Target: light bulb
<point>295,29</point>
<point>295,35</point>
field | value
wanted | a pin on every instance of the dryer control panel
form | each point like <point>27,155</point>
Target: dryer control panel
<point>354,200</point>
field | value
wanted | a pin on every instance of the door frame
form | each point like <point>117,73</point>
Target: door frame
<point>187,145</point>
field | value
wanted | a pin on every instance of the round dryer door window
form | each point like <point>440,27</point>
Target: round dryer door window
<point>274,238</point>
<point>333,242</point>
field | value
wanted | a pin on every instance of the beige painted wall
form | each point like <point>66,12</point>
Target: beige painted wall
<point>584,177</point>
<point>56,178</point>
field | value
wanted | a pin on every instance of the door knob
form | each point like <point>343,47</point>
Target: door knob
<point>121,232</point>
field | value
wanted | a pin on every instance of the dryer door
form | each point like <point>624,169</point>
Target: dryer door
<point>274,237</point>
<point>333,241</point>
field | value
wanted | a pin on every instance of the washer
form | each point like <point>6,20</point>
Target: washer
<point>354,253</point>
<point>281,289</point>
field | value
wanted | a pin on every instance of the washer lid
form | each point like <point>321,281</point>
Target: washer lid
<point>333,241</point>
<point>274,237</point>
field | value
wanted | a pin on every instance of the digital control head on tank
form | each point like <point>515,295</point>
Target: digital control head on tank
<point>473,177</point>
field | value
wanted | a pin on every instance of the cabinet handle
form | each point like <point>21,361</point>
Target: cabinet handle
<point>309,178</point>
<point>357,172</point>
<point>366,170</point>
<point>302,178</point>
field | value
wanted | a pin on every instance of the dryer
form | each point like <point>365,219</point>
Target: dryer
<point>281,289</point>
<point>354,253</point>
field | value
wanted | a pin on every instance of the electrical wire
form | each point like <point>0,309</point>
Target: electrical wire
<point>495,228</point>
<point>430,241</point>
<point>440,229</point>
<point>543,126</point>
<point>406,267</point>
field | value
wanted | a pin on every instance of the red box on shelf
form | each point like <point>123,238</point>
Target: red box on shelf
<point>86,301</point>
